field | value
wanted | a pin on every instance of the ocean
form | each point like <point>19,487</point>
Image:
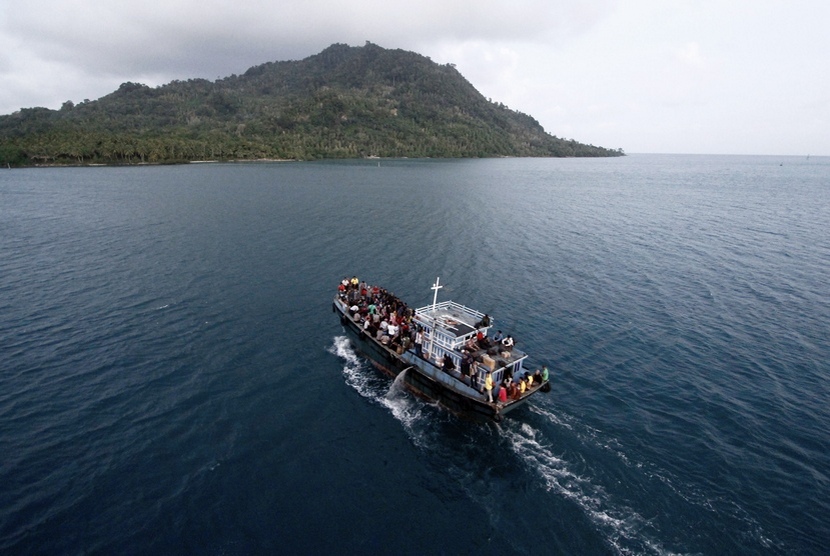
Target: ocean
<point>173,379</point>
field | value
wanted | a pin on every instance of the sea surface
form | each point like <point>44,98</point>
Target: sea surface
<point>173,379</point>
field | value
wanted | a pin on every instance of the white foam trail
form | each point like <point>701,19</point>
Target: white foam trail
<point>690,493</point>
<point>552,417</point>
<point>354,368</point>
<point>405,408</point>
<point>583,432</point>
<point>343,348</point>
<point>371,385</point>
<point>622,526</point>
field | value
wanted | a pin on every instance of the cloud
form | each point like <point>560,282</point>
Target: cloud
<point>119,37</point>
<point>645,75</point>
<point>690,54</point>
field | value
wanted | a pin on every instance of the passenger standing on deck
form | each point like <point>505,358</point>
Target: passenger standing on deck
<point>545,373</point>
<point>419,343</point>
<point>466,361</point>
<point>448,365</point>
<point>488,386</point>
<point>474,381</point>
<point>503,393</point>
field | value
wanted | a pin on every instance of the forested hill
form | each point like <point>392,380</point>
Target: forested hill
<point>344,102</point>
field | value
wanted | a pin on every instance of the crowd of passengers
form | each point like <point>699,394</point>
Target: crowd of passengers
<point>389,320</point>
<point>477,375</point>
<point>380,313</point>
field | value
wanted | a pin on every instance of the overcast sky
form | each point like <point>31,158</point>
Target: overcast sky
<point>649,76</point>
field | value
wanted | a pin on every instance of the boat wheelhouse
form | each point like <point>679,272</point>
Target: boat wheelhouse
<point>449,327</point>
<point>447,330</point>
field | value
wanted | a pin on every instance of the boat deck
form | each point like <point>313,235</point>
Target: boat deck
<point>456,319</point>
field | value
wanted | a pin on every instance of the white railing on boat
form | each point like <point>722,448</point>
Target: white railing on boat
<point>467,311</point>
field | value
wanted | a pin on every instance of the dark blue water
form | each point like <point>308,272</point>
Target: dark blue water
<point>172,378</point>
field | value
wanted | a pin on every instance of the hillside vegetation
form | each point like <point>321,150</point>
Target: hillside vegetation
<point>344,102</point>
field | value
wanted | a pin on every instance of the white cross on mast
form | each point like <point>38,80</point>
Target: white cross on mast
<point>435,287</point>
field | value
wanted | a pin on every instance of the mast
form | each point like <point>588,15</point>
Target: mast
<point>436,286</point>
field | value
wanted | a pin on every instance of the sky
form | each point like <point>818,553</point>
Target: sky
<point>647,76</point>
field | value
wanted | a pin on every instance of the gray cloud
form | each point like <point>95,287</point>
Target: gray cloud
<point>119,38</point>
<point>645,75</point>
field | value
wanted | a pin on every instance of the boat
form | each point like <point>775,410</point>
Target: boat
<point>444,350</point>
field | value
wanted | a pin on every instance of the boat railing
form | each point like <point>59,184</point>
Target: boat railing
<point>442,339</point>
<point>451,307</point>
<point>440,352</point>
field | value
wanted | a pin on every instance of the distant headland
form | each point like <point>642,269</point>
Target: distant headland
<point>345,102</point>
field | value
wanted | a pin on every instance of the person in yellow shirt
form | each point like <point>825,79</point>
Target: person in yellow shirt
<point>488,385</point>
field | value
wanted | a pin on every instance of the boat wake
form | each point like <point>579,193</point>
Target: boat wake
<point>622,527</point>
<point>379,389</point>
<point>599,497</point>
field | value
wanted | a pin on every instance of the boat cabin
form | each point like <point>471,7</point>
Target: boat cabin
<point>449,326</point>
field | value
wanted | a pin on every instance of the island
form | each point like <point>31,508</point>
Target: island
<point>345,102</point>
